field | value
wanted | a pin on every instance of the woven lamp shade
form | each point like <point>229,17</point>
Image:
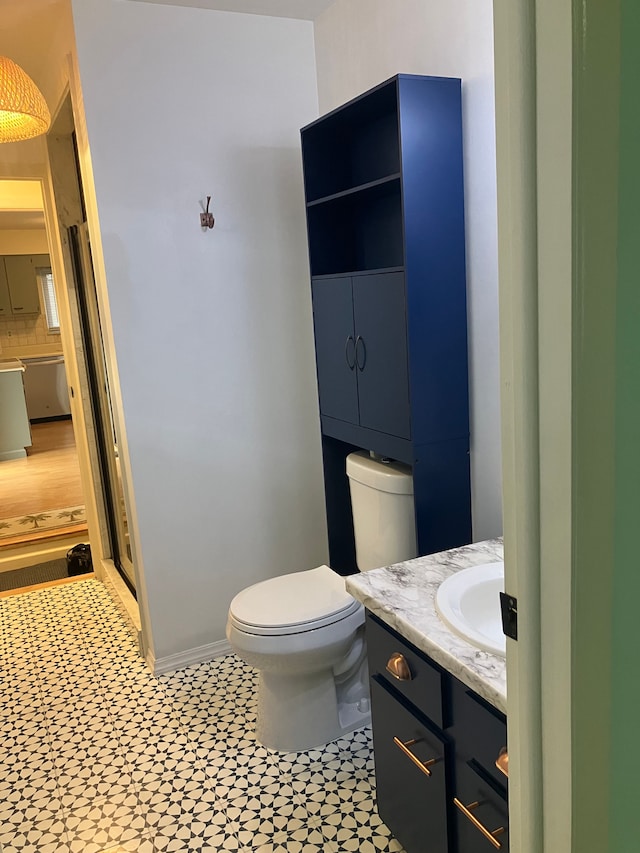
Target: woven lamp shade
<point>23,110</point>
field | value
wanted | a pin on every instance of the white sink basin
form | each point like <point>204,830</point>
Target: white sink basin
<point>469,603</point>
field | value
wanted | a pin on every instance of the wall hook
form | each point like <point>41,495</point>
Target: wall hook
<point>206,218</point>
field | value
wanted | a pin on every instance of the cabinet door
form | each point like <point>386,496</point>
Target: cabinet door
<point>5,302</point>
<point>411,803</point>
<point>23,284</point>
<point>481,813</point>
<point>335,348</point>
<point>480,731</point>
<point>381,353</point>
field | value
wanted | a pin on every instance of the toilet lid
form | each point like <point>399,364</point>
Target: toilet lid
<point>293,603</point>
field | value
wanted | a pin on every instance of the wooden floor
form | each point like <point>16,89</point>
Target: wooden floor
<point>49,477</point>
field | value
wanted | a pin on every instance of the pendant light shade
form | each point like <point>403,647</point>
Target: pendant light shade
<point>23,110</point>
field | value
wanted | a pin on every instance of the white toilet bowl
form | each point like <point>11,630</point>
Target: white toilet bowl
<point>305,635</point>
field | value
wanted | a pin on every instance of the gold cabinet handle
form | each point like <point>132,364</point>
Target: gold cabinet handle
<point>502,761</point>
<point>422,765</point>
<point>398,667</point>
<point>488,834</point>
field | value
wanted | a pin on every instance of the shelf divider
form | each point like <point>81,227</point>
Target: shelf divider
<point>388,179</point>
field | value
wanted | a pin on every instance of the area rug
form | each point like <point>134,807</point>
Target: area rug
<point>38,521</point>
<point>52,570</point>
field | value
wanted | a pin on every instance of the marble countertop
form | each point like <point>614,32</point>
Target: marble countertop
<point>403,596</point>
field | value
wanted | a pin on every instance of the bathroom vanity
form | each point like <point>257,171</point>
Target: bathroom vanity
<point>438,711</point>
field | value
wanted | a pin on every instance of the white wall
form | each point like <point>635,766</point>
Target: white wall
<point>222,427</point>
<point>360,43</point>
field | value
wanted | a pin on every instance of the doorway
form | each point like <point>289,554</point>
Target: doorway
<point>92,389</point>
<point>106,438</point>
<point>42,505</point>
<point>51,464</point>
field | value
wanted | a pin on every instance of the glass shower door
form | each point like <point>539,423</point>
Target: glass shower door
<point>101,403</point>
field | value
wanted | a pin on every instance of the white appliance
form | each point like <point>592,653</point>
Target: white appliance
<point>45,387</point>
<point>305,633</point>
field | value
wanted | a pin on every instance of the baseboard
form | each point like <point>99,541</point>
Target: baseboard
<point>50,419</point>
<point>188,658</point>
<point>20,557</point>
<point>13,454</point>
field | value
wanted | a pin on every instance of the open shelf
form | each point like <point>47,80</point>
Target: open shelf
<point>354,145</point>
<point>369,187</point>
<point>357,231</point>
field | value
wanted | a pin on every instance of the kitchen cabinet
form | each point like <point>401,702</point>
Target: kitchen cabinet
<point>385,222</point>
<point>15,432</point>
<point>19,284</point>
<point>436,743</point>
<point>5,300</point>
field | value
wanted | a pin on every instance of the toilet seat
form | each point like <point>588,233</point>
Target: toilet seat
<point>292,604</point>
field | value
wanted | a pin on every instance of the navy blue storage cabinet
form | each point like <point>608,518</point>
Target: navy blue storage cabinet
<point>385,220</point>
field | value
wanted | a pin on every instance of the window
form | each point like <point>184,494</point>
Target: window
<point>49,299</point>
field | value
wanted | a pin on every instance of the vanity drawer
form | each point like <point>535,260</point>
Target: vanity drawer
<point>413,764</point>
<point>480,731</point>
<point>481,812</point>
<point>413,675</point>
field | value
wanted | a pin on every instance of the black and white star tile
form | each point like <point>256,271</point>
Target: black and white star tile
<point>100,756</point>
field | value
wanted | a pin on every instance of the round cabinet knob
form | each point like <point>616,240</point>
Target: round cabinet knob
<point>398,667</point>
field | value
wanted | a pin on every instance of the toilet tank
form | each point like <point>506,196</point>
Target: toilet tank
<point>383,512</point>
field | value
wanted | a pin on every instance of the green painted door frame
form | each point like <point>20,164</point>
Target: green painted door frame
<point>568,134</point>
<point>596,83</point>
<point>605,675</point>
<point>624,814</point>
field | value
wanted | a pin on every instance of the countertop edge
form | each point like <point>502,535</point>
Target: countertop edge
<point>31,351</point>
<point>403,597</point>
<point>7,367</point>
<point>446,659</point>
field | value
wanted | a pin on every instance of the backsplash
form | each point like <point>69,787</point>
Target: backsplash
<point>26,331</point>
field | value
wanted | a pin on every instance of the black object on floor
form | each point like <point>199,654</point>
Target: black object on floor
<point>79,560</point>
<point>52,570</point>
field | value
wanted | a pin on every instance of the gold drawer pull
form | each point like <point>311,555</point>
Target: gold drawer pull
<point>398,667</point>
<point>404,747</point>
<point>490,836</point>
<point>502,761</point>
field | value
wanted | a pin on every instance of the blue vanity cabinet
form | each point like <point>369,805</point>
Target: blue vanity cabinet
<point>481,812</point>
<point>411,792</point>
<point>435,747</point>
<point>385,223</point>
<point>480,786</point>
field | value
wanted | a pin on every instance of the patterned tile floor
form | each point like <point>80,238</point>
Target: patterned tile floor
<point>99,756</point>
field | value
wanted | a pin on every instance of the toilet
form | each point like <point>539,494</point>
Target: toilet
<point>304,633</point>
